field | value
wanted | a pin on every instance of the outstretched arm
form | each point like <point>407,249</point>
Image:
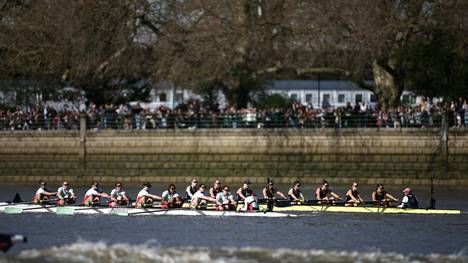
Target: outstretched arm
<point>281,194</point>
<point>239,193</point>
<point>391,197</point>
<point>335,195</point>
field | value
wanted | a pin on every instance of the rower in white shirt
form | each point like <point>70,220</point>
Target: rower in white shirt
<point>225,200</point>
<point>144,198</point>
<point>65,194</point>
<point>118,197</point>
<point>94,194</point>
<point>42,195</point>
<point>201,198</point>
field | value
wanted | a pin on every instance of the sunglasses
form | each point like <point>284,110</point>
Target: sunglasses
<point>118,186</point>
<point>65,184</point>
<point>227,190</point>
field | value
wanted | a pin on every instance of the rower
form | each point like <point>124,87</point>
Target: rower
<point>244,191</point>
<point>94,194</point>
<point>225,200</point>
<point>191,189</point>
<point>216,188</point>
<point>353,198</point>
<point>42,195</point>
<point>65,195</point>
<point>171,199</point>
<point>144,198</point>
<point>118,197</point>
<point>270,191</point>
<point>295,193</point>
<point>381,197</point>
<point>201,198</point>
<point>409,200</point>
<point>324,194</point>
<point>250,203</point>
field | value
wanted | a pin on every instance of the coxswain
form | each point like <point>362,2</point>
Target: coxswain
<point>381,197</point>
<point>118,197</point>
<point>409,200</point>
<point>191,189</point>
<point>201,198</point>
<point>325,195</point>
<point>42,195</point>
<point>144,198</point>
<point>171,199</point>
<point>225,200</point>
<point>295,193</point>
<point>216,188</point>
<point>353,198</point>
<point>269,192</point>
<point>65,194</point>
<point>94,194</point>
<point>244,191</point>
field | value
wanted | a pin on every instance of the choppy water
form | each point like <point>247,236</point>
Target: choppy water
<point>86,252</point>
<point>318,237</point>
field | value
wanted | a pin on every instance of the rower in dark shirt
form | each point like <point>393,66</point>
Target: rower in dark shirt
<point>353,198</point>
<point>270,191</point>
<point>191,189</point>
<point>325,195</point>
<point>381,197</point>
<point>295,193</point>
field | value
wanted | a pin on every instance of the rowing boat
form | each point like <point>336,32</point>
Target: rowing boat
<point>81,210</point>
<point>359,209</point>
<point>282,211</point>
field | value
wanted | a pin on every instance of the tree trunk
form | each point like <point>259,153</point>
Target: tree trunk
<point>389,85</point>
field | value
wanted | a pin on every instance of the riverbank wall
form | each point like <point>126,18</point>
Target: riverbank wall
<point>369,156</point>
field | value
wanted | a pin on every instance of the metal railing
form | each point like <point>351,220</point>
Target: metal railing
<point>232,120</point>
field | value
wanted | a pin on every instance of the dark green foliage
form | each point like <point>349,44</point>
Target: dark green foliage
<point>277,101</point>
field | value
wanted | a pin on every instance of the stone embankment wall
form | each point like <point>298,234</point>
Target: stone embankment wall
<point>341,156</point>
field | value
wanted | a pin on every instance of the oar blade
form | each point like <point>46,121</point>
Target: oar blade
<point>13,210</point>
<point>61,210</point>
<point>119,212</point>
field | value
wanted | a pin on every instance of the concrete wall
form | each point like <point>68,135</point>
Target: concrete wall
<point>369,156</point>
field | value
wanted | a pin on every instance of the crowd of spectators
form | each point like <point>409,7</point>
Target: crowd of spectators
<point>195,115</point>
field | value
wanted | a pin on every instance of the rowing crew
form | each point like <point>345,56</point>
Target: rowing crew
<point>219,195</point>
<point>325,195</point>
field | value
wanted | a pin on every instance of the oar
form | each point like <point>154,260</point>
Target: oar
<point>19,210</point>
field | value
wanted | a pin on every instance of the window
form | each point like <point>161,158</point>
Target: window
<point>358,98</point>
<point>294,96</point>
<point>373,98</point>
<point>308,98</point>
<point>162,97</point>
<point>341,98</point>
<point>326,98</point>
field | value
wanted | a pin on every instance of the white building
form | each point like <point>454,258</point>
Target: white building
<point>332,93</point>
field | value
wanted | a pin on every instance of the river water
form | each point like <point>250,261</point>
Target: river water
<point>316,237</point>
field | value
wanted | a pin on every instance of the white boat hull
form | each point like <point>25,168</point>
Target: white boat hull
<point>79,210</point>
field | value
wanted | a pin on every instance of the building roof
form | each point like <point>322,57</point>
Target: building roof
<point>312,85</point>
